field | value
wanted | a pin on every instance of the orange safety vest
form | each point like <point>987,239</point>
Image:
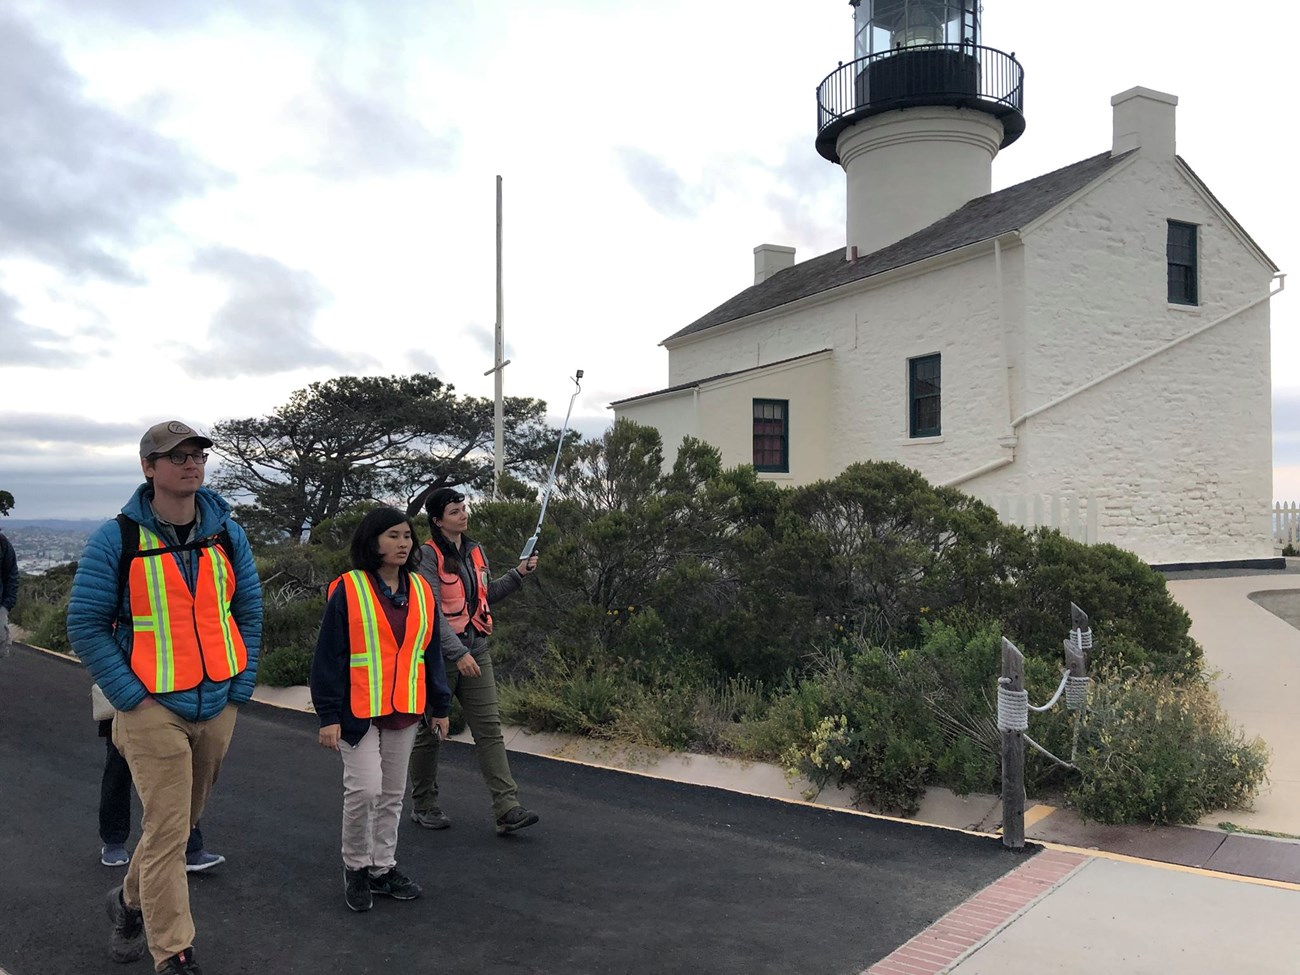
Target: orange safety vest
<point>178,636</point>
<point>452,593</point>
<point>386,677</point>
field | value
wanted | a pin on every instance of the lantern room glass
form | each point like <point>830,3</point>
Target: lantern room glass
<point>891,25</point>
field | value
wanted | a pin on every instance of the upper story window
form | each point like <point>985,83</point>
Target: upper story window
<point>772,435</point>
<point>1181,254</point>
<point>923,375</point>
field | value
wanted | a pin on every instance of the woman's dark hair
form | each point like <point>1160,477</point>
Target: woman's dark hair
<point>434,508</point>
<point>365,540</point>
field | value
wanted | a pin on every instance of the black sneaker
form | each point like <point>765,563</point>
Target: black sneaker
<point>182,963</point>
<point>395,884</point>
<point>356,889</point>
<point>126,941</point>
<point>515,819</point>
<point>433,818</point>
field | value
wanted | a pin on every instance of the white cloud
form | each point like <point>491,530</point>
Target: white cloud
<point>332,166</point>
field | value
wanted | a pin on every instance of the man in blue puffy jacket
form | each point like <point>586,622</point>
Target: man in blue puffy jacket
<point>169,626</point>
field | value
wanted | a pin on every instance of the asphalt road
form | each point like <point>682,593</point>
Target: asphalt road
<point>624,874</point>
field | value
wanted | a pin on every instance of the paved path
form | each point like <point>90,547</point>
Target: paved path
<point>632,874</point>
<point>625,874</point>
<point>1257,655</point>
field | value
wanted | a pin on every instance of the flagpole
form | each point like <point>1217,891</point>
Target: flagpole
<point>499,453</point>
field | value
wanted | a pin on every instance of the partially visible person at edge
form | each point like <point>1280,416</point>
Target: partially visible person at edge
<point>370,685</point>
<point>457,569</point>
<point>8,591</point>
<point>175,653</point>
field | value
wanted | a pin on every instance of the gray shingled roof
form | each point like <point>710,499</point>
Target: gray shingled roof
<point>980,219</point>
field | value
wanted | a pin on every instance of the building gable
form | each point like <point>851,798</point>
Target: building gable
<point>981,219</point>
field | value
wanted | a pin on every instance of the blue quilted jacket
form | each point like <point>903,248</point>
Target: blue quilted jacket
<point>105,648</point>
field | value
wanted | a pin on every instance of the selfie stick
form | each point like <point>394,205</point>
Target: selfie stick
<point>531,544</point>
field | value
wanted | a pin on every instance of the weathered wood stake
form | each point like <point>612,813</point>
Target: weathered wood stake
<point>1013,756</point>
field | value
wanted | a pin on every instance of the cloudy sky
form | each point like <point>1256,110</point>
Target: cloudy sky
<point>205,206</point>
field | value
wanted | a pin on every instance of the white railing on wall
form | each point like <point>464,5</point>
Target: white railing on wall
<point>1286,523</point>
<point>1075,517</point>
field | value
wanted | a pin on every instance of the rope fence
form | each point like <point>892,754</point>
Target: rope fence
<point>1013,718</point>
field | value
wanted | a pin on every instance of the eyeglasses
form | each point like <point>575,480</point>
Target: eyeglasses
<point>179,457</point>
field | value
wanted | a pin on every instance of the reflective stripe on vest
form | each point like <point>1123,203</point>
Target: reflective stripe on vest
<point>178,636</point>
<point>452,593</point>
<point>385,677</point>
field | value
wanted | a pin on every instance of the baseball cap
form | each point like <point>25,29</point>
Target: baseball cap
<point>162,438</point>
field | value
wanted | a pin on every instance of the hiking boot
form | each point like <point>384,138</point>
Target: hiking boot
<point>126,942</point>
<point>395,884</point>
<point>433,818</point>
<point>202,860</point>
<point>182,963</point>
<point>356,889</point>
<point>515,819</point>
<point>114,855</point>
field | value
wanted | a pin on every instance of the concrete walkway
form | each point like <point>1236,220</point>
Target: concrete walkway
<point>1257,655</point>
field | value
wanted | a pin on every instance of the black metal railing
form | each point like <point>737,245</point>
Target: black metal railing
<point>961,75</point>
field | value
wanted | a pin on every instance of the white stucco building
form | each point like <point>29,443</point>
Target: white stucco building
<point>1088,349</point>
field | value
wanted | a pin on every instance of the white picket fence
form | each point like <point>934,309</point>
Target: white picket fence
<point>1075,517</point>
<point>1286,523</point>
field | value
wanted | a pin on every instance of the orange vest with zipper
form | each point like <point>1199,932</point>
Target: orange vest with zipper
<point>385,677</point>
<point>179,636</point>
<point>452,600</point>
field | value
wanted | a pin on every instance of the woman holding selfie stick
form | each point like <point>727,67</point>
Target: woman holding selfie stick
<point>457,570</point>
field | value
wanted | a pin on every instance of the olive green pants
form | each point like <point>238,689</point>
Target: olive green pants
<point>478,700</point>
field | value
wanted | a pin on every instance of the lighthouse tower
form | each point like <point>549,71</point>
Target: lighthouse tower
<point>917,117</point>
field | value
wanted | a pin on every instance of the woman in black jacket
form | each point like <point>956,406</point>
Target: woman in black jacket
<point>370,687</point>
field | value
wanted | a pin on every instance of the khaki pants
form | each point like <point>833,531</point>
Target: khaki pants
<point>478,699</point>
<point>374,782</point>
<point>174,764</point>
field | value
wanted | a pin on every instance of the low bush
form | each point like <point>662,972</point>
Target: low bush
<point>885,723</point>
<point>284,666</point>
<point>1152,750</point>
<point>42,607</point>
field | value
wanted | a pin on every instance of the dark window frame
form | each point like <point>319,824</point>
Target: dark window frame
<point>765,449</point>
<point>1182,262</point>
<point>925,396</point>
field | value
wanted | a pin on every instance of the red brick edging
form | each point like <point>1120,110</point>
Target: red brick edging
<point>972,923</point>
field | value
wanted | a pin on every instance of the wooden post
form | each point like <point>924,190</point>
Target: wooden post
<point>1013,756</point>
<point>1076,658</point>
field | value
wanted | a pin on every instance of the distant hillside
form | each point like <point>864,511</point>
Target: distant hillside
<point>86,525</point>
<point>43,543</point>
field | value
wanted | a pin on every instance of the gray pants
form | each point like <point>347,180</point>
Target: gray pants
<point>478,699</point>
<point>374,781</point>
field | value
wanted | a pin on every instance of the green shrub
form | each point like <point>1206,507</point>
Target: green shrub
<point>290,622</point>
<point>723,710</point>
<point>567,697</point>
<point>1152,750</point>
<point>38,593</point>
<point>661,715</point>
<point>1127,601</point>
<point>285,666</point>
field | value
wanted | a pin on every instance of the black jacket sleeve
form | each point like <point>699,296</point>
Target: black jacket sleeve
<point>437,693</point>
<point>329,666</point>
<point>8,573</point>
